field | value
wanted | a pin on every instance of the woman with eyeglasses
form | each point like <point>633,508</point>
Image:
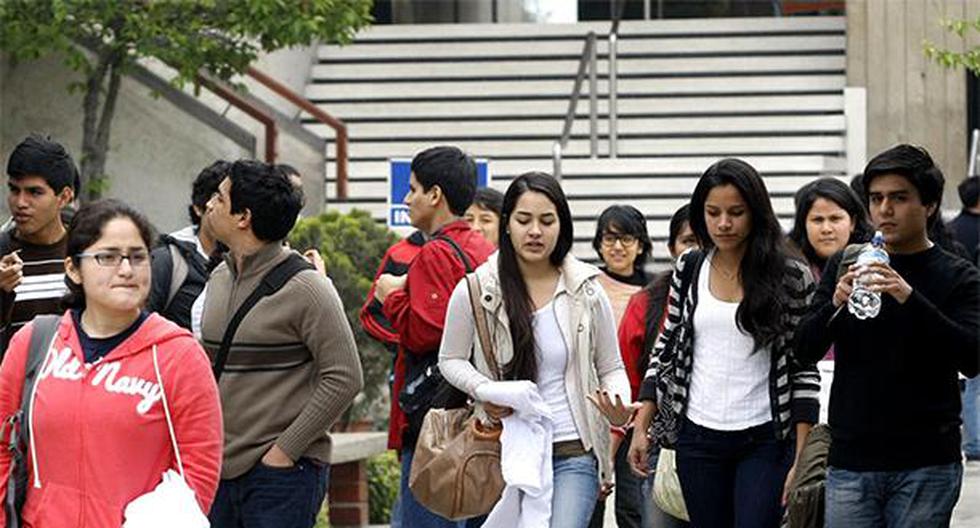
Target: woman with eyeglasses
<point>622,242</point>
<point>99,426</point>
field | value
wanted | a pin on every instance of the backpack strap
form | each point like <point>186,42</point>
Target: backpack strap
<point>459,252</point>
<point>178,273</point>
<point>272,282</point>
<point>482,329</point>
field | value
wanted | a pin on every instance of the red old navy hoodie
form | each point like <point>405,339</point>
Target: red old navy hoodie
<point>99,430</point>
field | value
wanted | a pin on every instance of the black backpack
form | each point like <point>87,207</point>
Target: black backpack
<point>16,429</point>
<point>425,388</point>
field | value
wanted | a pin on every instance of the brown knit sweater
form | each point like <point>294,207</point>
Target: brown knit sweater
<point>293,368</point>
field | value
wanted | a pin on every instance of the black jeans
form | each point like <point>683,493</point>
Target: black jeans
<point>268,497</point>
<point>732,478</point>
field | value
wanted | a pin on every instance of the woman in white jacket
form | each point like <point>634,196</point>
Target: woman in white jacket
<point>550,324</point>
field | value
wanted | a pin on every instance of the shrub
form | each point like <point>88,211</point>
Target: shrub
<point>384,476</point>
<point>352,246</point>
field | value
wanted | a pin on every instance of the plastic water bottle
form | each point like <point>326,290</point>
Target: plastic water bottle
<point>864,303</point>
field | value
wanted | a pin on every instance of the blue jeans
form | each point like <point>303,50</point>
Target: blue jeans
<point>732,478</point>
<point>576,489</point>
<point>653,516</point>
<point>917,498</point>
<point>411,513</point>
<point>267,497</point>
<point>971,418</point>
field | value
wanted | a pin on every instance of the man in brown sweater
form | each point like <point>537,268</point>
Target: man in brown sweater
<point>292,368</point>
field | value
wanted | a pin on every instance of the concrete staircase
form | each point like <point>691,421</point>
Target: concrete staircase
<point>690,92</point>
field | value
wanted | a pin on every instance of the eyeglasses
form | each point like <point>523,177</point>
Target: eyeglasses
<point>627,240</point>
<point>112,259</point>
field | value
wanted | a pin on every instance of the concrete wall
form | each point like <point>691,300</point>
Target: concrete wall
<point>910,98</point>
<point>155,149</point>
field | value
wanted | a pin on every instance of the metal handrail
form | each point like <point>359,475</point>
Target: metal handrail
<point>617,7</point>
<point>236,100</point>
<point>338,126</point>
<point>588,60</point>
<point>974,140</point>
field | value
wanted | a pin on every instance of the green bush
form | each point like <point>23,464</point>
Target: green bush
<point>352,246</point>
<point>384,475</point>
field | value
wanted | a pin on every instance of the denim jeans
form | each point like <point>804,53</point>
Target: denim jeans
<point>653,516</point>
<point>267,497</point>
<point>917,498</point>
<point>411,512</point>
<point>576,489</point>
<point>971,418</point>
<point>630,500</point>
<point>732,478</point>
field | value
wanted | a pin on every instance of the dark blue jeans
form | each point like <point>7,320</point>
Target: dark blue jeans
<point>916,498</point>
<point>267,497</point>
<point>732,478</point>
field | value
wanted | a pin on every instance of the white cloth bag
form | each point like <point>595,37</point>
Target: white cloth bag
<point>172,503</point>
<point>667,486</point>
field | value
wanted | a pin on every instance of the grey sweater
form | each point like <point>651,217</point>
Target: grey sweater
<point>293,368</point>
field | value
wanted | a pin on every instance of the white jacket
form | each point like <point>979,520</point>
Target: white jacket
<point>587,324</point>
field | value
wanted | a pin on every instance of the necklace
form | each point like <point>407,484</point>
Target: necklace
<point>726,275</point>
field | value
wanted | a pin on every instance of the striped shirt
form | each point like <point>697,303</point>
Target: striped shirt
<point>42,288</point>
<point>793,385</point>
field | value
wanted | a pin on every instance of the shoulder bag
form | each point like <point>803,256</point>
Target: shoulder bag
<point>456,467</point>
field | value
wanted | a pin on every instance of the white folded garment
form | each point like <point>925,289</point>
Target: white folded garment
<point>525,456</point>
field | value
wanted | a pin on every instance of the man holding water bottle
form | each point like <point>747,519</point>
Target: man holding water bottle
<point>894,407</point>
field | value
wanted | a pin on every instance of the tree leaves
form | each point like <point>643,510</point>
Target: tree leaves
<point>969,59</point>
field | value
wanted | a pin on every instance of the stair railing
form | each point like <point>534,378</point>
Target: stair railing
<point>586,62</point>
<point>589,61</point>
<point>974,140</point>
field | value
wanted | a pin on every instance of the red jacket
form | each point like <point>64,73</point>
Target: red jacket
<point>632,331</point>
<point>99,429</point>
<point>418,311</point>
<point>395,262</point>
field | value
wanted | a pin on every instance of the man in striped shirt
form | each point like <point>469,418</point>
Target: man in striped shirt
<point>42,179</point>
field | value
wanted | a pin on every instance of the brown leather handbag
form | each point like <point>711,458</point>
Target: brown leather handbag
<point>456,465</point>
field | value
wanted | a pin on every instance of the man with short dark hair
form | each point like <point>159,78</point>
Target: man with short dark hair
<point>966,228</point>
<point>292,367</point>
<point>895,407</point>
<point>180,261</point>
<point>41,183</point>
<point>441,188</point>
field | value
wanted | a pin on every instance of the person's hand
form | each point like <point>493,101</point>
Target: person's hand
<point>887,280</point>
<point>11,271</point>
<point>497,412</point>
<point>277,458</point>
<point>789,482</point>
<point>606,489</point>
<point>388,283</point>
<point>316,259</point>
<point>637,456</point>
<point>844,287</point>
<point>616,412</point>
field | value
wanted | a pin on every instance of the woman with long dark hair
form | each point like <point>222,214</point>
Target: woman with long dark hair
<point>551,324</point>
<point>724,384</point>
<point>121,395</point>
<point>829,216</point>
<point>637,332</point>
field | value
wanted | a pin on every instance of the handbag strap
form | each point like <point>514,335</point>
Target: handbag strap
<point>166,411</point>
<point>482,330</point>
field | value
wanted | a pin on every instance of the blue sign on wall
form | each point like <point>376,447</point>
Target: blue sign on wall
<point>398,176</point>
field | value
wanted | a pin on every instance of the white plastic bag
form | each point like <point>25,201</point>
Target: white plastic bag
<point>170,505</point>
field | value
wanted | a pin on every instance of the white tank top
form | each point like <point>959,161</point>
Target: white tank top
<point>729,383</point>
<point>552,356</point>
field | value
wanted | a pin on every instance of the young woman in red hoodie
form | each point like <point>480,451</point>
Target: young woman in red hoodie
<point>99,435</point>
